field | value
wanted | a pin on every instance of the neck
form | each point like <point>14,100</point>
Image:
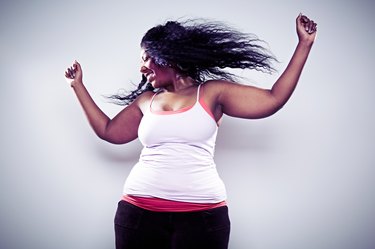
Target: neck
<point>180,84</point>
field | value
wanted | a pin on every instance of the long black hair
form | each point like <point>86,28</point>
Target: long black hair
<point>201,50</point>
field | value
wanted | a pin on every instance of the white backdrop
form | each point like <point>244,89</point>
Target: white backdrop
<point>303,178</point>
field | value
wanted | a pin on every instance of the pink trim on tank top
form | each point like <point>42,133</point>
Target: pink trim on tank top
<point>184,109</point>
<point>172,112</point>
<point>207,109</point>
<point>162,205</point>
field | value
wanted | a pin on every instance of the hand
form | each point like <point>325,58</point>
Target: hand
<point>73,74</point>
<point>306,29</point>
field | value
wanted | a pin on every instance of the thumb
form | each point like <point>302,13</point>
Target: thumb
<point>298,19</point>
<point>76,65</point>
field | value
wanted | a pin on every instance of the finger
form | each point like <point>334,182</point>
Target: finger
<point>312,28</point>
<point>71,72</point>
<point>310,25</point>
<point>315,27</point>
<point>68,75</point>
<point>298,19</point>
<point>303,22</point>
<point>306,26</point>
<point>304,19</point>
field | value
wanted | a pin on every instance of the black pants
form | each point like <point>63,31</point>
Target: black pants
<point>137,228</point>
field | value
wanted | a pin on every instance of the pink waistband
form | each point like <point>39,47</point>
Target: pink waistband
<point>162,205</point>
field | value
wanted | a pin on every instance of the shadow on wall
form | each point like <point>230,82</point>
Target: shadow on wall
<point>250,135</point>
<point>123,154</point>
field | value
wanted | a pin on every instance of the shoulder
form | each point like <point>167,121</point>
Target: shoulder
<point>219,84</point>
<point>145,96</point>
<point>215,88</point>
<point>143,100</point>
<point>212,92</point>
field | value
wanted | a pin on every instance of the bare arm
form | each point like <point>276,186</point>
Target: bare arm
<point>252,102</point>
<point>121,129</point>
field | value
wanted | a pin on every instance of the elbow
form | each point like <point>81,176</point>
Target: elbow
<point>105,136</point>
<point>111,140</point>
<point>267,114</point>
<point>271,109</point>
<point>114,138</point>
<point>276,105</point>
<point>101,131</point>
<point>276,109</point>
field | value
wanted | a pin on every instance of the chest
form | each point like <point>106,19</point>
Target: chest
<point>188,125</point>
<point>172,102</point>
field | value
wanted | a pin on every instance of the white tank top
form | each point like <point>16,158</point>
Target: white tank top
<point>176,162</point>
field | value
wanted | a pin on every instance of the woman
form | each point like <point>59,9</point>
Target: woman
<point>174,197</point>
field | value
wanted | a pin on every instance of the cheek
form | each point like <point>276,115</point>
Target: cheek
<point>150,64</point>
<point>164,73</point>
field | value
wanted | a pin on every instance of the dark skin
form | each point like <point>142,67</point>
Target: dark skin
<point>310,25</point>
<point>222,97</point>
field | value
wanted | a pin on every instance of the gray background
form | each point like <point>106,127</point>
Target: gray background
<point>303,178</point>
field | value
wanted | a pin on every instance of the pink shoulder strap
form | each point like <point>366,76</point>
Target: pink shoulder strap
<point>198,92</point>
<point>152,98</point>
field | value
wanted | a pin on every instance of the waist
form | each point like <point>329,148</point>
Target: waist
<point>177,154</point>
<point>178,183</point>
<point>162,205</point>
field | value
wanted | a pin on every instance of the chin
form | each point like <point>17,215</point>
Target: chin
<point>154,84</point>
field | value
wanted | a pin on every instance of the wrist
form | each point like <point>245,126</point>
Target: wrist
<point>75,83</point>
<point>306,44</point>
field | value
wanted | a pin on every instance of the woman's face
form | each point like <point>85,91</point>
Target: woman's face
<point>158,76</point>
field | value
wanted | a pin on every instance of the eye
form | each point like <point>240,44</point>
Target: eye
<point>145,58</point>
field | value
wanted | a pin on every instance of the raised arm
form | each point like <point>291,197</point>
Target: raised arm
<point>252,102</point>
<point>121,129</point>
